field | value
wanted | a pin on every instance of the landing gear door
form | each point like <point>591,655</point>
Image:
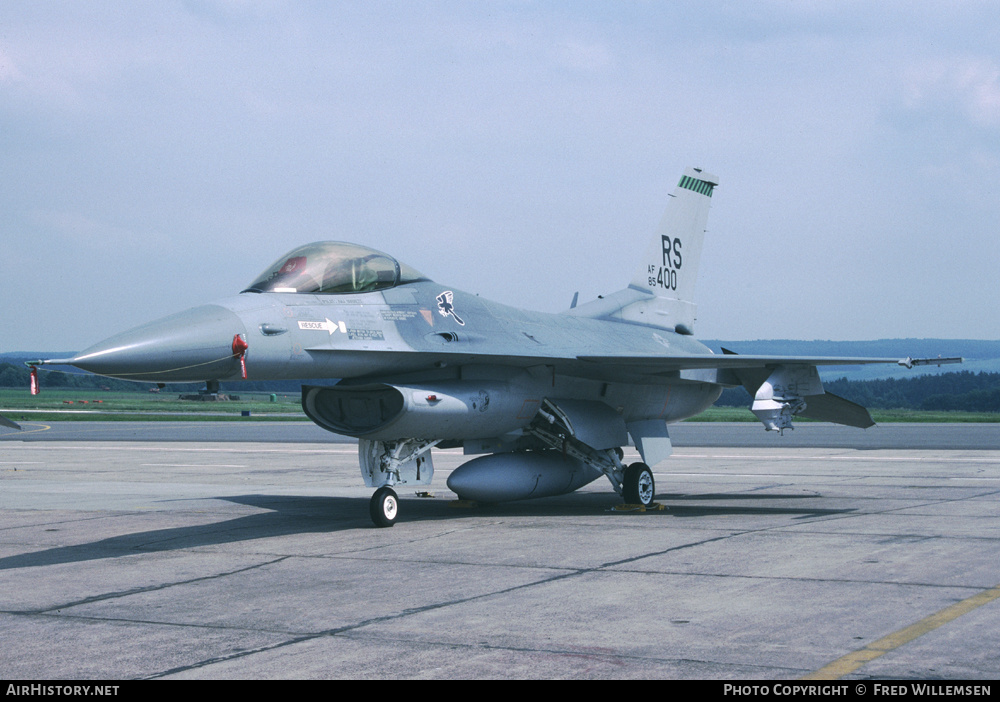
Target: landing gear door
<point>651,440</point>
<point>592,423</point>
<point>395,463</point>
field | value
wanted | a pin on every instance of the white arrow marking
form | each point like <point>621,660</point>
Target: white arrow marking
<point>327,326</point>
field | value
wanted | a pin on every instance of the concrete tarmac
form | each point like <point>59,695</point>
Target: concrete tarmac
<point>257,559</point>
<point>735,434</point>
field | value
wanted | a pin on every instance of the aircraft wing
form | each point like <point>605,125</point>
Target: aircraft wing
<point>781,386</point>
<point>654,364</point>
<point>665,364</point>
<point>649,365</point>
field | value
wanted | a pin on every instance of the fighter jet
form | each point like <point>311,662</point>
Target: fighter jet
<point>545,401</point>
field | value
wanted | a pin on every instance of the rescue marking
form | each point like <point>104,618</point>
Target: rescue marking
<point>327,326</point>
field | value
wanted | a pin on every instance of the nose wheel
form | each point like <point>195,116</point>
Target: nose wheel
<point>638,487</point>
<point>384,507</point>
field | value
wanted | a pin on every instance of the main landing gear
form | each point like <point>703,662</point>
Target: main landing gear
<point>634,482</point>
<point>638,486</point>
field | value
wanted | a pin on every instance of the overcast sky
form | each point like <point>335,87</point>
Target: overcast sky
<point>157,155</point>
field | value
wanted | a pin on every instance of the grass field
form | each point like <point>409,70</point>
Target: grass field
<point>743,414</point>
<point>60,404</point>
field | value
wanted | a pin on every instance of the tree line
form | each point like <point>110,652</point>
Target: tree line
<point>17,376</point>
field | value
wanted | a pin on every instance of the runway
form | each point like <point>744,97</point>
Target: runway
<point>734,434</point>
<point>155,558</point>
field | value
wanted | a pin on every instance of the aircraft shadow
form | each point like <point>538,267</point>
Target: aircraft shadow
<point>290,515</point>
<point>287,515</point>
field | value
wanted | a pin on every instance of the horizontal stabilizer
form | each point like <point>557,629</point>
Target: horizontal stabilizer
<point>833,408</point>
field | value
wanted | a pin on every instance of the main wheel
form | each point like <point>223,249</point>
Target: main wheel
<point>384,507</point>
<point>638,487</point>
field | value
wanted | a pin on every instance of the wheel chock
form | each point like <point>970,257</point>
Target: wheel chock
<point>463,504</point>
<point>651,507</point>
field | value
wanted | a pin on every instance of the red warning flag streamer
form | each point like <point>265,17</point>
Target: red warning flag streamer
<point>240,347</point>
<point>34,380</point>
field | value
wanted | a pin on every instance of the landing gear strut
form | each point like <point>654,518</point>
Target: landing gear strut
<point>384,507</point>
<point>634,483</point>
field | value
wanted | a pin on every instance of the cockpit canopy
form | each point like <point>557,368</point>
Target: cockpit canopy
<point>334,267</point>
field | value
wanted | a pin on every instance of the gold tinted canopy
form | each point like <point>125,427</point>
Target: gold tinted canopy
<point>333,267</point>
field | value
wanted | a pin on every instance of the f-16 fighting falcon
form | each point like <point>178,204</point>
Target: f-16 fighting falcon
<point>544,401</point>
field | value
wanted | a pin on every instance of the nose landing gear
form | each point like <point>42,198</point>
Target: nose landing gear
<point>384,507</point>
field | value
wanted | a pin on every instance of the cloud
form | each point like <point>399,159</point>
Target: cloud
<point>964,85</point>
<point>9,72</point>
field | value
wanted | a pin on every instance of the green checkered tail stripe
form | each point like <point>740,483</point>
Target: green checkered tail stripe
<point>699,186</point>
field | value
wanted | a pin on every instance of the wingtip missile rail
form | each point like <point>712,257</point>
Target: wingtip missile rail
<point>911,362</point>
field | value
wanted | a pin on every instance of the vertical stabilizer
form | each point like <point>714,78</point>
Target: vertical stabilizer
<point>661,292</point>
<point>670,268</point>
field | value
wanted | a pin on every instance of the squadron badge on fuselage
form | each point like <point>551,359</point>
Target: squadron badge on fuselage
<point>446,306</point>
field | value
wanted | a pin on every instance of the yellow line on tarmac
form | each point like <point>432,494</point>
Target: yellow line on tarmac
<point>852,661</point>
<point>41,427</point>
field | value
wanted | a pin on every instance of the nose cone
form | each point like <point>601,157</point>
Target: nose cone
<point>191,346</point>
